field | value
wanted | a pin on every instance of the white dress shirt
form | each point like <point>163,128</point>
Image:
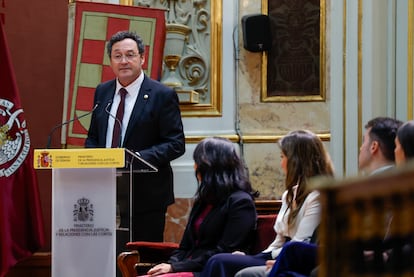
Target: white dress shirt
<point>130,99</point>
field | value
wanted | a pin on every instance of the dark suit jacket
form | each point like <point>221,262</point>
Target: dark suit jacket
<point>155,130</point>
<point>228,227</point>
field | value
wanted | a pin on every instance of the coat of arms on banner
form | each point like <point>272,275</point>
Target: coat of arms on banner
<point>14,138</point>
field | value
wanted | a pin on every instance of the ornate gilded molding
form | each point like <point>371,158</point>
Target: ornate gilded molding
<point>126,2</point>
<point>410,59</point>
<point>253,138</point>
<point>344,88</point>
<point>360,60</point>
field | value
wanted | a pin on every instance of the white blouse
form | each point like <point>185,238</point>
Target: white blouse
<point>307,220</point>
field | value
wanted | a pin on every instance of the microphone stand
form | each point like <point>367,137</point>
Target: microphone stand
<point>49,138</point>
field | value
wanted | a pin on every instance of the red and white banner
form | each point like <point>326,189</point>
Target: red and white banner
<point>21,222</point>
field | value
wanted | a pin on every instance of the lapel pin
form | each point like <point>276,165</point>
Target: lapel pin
<point>146,96</point>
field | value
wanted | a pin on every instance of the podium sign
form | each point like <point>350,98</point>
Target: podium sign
<point>83,209</point>
<point>79,158</point>
<point>83,222</point>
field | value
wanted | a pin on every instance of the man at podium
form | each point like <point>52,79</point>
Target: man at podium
<point>142,115</point>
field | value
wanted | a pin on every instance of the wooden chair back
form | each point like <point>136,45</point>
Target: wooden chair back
<point>367,226</point>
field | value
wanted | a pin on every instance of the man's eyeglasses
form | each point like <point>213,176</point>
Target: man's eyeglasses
<point>119,58</point>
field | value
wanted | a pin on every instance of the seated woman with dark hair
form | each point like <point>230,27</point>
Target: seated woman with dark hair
<point>223,217</point>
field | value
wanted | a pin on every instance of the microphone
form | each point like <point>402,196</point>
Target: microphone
<point>49,138</point>
<point>117,122</point>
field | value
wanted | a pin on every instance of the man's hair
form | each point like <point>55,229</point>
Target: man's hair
<point>384,130</point>
<point>121,35</point>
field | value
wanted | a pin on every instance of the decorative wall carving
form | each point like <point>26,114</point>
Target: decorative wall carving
<point>189,64</point>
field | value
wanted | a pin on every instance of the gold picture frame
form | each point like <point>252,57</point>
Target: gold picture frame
<point>269,95</point>
<point>213,106</point>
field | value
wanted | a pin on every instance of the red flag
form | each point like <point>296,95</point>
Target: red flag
<point>21,222</point>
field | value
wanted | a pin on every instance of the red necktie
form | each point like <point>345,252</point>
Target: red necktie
<point>116,135</point>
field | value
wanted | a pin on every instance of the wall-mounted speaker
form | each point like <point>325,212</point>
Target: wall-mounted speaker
<point>256,32</point>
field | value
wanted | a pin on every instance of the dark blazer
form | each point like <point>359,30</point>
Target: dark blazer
<point>155,130</point>
<point>228,227</point>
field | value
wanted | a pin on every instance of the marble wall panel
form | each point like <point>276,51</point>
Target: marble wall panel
<point>176,219</point>
<point>263,160</point>
<point>257,118</point>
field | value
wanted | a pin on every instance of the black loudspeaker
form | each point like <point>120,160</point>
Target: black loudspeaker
<point>256,32</point>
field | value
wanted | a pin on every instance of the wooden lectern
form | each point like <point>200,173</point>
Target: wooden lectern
<point>84,190</point>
